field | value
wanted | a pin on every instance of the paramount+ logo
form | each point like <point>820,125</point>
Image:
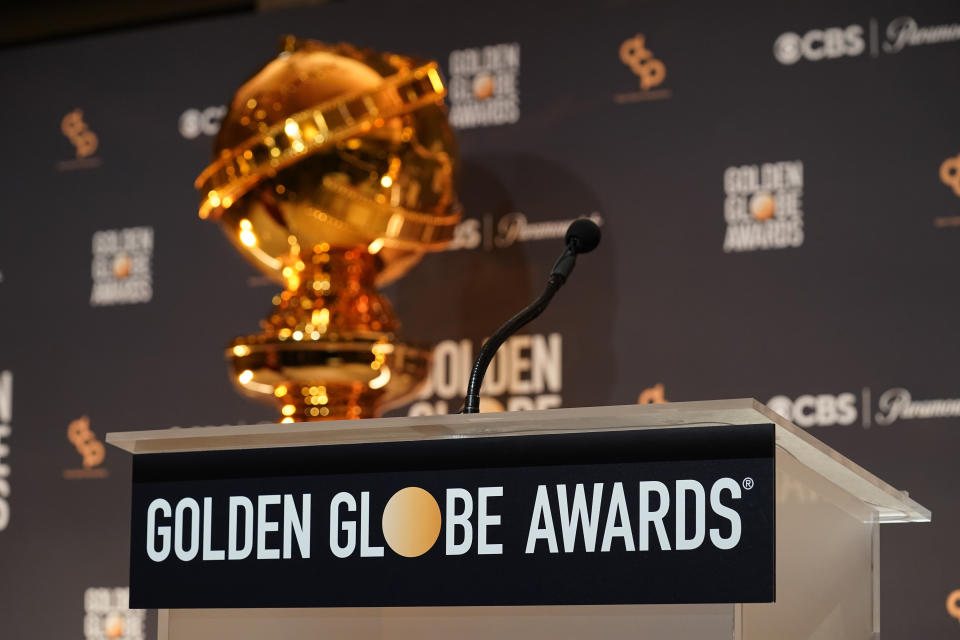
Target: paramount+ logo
<point>456,521</point>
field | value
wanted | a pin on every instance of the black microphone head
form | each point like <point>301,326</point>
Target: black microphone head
<point>583,235</point>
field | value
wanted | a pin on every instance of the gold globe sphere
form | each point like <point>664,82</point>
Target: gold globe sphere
<point>338,145</point>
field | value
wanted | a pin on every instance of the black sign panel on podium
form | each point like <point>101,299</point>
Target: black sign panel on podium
<point>679,515</point>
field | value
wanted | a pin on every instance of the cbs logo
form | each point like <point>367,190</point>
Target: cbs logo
<point>822,410</point>
<point>194,122</point>
<point>818,44</point>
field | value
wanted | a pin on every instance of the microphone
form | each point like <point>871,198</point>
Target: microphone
<point>582,236</point>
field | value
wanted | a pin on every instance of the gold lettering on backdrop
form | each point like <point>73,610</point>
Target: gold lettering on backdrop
<point>79,134</point>
<point>634,54</point>
<point>653,395</point>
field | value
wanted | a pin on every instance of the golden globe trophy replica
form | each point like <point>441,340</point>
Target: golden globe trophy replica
<point>333,172</point>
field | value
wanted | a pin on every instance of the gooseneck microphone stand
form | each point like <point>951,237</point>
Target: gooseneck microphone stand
<point>582,236</point>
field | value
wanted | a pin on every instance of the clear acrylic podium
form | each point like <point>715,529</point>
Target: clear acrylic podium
<point>828,516</point>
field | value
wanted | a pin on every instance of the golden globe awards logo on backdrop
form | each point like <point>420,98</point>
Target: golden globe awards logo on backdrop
<point>526,374</point>
<point>833,43</point>
<point>483,88</point>
<point>763,206</point>
<point>91,450</point>
<point>84,141</point>
<point>649,70</point>
<point>6,417</point>
<point>108,616</point>
<point>121,268</point>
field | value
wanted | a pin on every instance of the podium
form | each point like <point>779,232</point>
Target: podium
<point>703,520</point>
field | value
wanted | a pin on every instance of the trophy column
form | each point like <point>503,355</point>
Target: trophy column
<point>328,348</point>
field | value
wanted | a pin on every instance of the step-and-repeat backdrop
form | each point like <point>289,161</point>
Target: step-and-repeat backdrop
<point>779,190</point>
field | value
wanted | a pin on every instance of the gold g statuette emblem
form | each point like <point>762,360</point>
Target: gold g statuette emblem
<point>634,54</point>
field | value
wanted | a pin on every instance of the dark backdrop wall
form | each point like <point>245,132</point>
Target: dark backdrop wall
<point>779,188</point>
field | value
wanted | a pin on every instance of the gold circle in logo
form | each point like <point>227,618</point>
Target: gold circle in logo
<point>411,522</point>
<point>122,266</point>
<point>483,86</point>
<point>762,206</point>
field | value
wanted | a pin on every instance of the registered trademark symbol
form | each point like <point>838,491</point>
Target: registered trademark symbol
<point>748,483</point>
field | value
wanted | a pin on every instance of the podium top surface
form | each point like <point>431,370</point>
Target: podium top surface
<point>888,503</point>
